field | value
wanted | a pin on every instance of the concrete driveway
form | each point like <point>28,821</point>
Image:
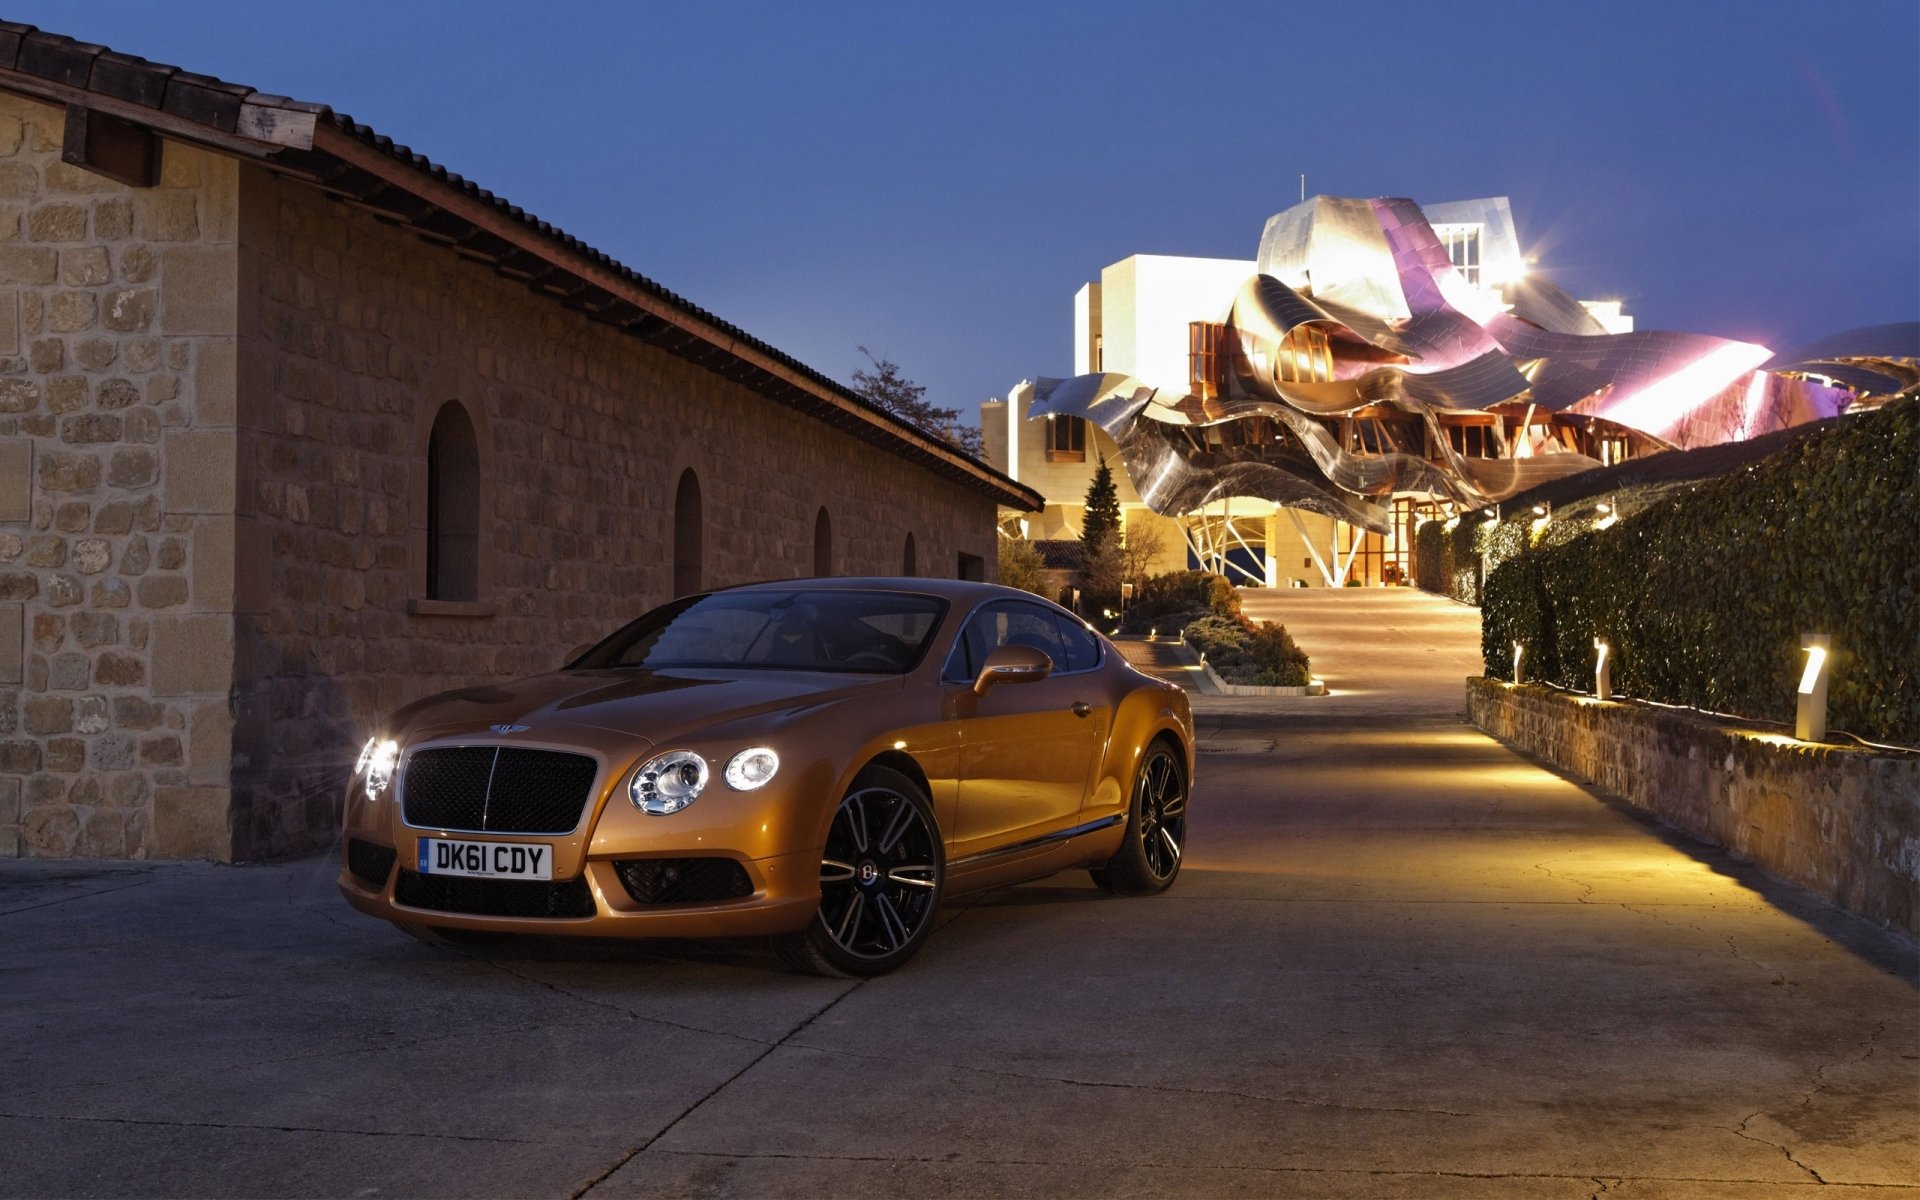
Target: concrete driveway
<point>1402,961</point>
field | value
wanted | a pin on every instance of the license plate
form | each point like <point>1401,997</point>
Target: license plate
<point>490,860</point>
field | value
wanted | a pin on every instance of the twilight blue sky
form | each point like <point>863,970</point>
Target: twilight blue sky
<point>935,181</point>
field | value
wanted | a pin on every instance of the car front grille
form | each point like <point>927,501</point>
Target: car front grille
<point>494,897</point>
<point>370,864</point>
<point>684,880</point>
<point>497,789</point>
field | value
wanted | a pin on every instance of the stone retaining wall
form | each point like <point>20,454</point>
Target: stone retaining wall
<point>1840,821</point>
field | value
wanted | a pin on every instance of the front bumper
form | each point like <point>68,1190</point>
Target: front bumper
<point>786,893</point>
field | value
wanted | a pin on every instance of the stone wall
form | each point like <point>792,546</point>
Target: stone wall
<point>1840,821</point>
<point>352,334</point>
<point>115,398</point>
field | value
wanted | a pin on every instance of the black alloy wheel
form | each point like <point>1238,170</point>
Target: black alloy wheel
<point>1156,839</point>
<point>881,875</point>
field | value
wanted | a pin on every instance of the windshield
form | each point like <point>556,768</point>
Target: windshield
<point>861,632</point>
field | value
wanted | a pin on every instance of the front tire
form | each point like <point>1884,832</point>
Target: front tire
<point>1149,857</point>
<point>882,873</point>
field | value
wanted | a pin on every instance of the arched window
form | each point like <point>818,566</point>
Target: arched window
<point>823,544</point>
<point>686,535</point>
<point>909,559</point>
<point>453,506</point>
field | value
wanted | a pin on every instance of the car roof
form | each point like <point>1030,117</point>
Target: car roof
<point>959,590</point>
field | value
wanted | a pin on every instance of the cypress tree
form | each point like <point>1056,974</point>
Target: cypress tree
<point>1101,525</point>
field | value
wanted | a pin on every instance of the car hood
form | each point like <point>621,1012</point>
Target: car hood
<point>653,706</point>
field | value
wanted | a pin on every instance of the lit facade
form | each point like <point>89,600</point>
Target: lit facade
<point>1292,417</point>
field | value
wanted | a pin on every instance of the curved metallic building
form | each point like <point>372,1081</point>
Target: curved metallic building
<point>1359,363</point>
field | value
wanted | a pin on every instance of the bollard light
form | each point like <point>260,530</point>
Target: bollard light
<point>1519,652</point>
<point>1810,709</point>
<point>1602,669</point>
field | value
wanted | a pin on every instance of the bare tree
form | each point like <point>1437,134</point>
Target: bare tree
<point>886,388</point>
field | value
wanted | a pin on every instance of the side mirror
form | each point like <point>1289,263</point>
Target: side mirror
<point>576,652</point>
<point>1013,664</point>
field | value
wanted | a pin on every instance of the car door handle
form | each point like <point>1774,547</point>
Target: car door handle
<point>1081,708</point>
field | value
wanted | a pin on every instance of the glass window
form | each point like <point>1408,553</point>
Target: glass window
<point>871,632</point>
<point>1008,623</point>
<point>1066,439</point>
<point>1083,649</point>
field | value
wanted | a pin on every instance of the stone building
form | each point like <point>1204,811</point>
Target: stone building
<point>296,426</point>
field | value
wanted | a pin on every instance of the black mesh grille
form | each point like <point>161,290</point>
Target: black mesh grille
<point>684,880</point>
<point>497,789</point>
<point>369,863</point>
<point>494,897</point>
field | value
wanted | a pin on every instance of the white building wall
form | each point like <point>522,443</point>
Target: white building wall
<point>1147,302</point>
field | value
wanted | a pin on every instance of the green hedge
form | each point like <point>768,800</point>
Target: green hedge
<point>1447,555</point>
<point>1704,593</point>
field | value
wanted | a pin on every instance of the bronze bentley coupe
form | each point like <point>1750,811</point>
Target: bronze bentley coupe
<point>821,761</point>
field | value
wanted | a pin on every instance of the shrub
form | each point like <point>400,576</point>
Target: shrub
<point>1705,592</point>
<point>1168,602</point>
<point>1241,652</point>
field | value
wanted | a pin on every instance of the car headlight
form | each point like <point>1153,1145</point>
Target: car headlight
<point>751,768</point>
<point>375,765</point>
<point>667,783</point>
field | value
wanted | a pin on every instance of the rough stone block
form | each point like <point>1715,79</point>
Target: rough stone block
<point>192,654</point>
<point>19,395</point>
<point>62,222</point>
<point>13,642</point>
<point>112,219</point>
<point>192,822</point>
<point>132,468</point>
<point>120,670</point>
<point>16,480</point>
<point>198,287</point>
<point>34,265</point>
<point>68,672</point>
<point>129,310</point>
<point>200,470</point>
<point>62,472</point>
<point>9,321</point>
<point>71,312</point>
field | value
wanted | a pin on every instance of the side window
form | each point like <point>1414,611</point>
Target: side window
<point>1083,649</point>
<point>1010,623</point>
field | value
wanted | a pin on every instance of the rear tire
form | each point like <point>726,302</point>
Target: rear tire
<point>882,873</point>
<point>1149,857</point>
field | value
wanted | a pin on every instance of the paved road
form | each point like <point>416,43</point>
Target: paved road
<point>1402,961</point>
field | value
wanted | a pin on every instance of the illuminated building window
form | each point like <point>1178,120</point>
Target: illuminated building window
<point>1463,249</point>
<point>1067,439</point>
<point>1474,441</point>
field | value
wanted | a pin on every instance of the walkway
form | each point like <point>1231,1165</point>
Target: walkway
<point>1401,961</point>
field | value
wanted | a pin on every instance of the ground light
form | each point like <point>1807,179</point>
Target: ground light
<point>1602,669</point>
<point>1519,652</point>
<point>1810,709</point>
<point>1608,515</point>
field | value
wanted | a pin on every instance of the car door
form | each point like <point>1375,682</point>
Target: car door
<point>1026,749</point>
